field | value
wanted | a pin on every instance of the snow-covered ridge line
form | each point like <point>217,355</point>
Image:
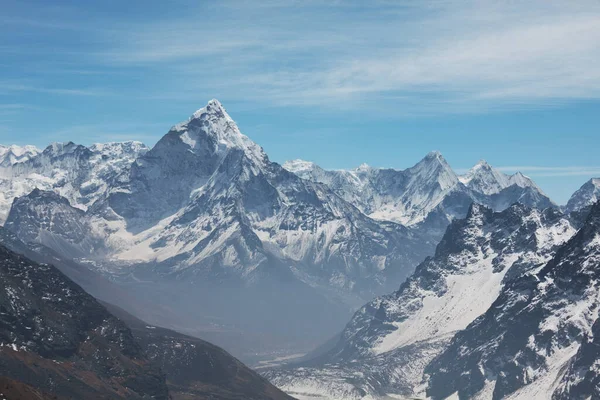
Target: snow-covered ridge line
<point>499,180</point>
<point>79,173</point>
<point>13,154</point>
<point>428,195</point>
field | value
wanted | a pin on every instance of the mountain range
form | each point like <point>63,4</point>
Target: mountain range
<point>506,308</point>
<point>391,339</point>
<point>204,234</point>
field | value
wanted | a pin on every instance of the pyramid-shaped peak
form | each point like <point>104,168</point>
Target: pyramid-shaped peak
<point>434,160</point>
<point>482,164</point>
<point>212,108</point>
<point>209,131</point>
<point>435,154</point>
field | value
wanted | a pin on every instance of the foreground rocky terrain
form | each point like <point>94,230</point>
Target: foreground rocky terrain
<point>59,342</point>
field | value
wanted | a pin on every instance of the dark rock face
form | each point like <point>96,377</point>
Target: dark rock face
<point>15,390</point>
<point>196,369</point>
<point>59,339</point>
<point>531,331</point>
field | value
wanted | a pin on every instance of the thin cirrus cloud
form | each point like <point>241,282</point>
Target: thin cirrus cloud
<point>8,87</point>
<point>438,56</point>
<point>538,171</point>
<point>410,57</point>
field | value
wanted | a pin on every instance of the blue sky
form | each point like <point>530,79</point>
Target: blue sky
<point>339,83</point>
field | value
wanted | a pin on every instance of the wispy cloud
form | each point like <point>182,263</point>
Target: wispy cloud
<point>101,133</point>
<point>409,57</point>
<point>537,171</point>
<point>7,87</point>
<point>445,56</point>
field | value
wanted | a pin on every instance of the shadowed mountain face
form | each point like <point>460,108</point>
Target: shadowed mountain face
<point>196,369</point>
<point>388,343</point>
<point>59,339</point>
<point>59,342</point>
<point>15,390</point>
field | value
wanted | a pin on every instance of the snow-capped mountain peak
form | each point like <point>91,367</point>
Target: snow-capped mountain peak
<point>585,196</point>
<point>13,154</point>
<point>213,107</point>
<point>300,167</point>
<point>484,178</point>
<point>522,181</point>
<point>434,169</point>
<point>212,126</point>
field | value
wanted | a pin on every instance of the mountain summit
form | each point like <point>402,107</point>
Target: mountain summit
<point>204,206</point>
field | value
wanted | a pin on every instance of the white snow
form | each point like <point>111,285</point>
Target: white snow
<point>468,296</point>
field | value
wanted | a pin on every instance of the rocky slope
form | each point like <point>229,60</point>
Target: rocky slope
<point>67,342</point>
<point>196,369</point>
<point>537,340</point>
<point>57,338</point>
<point>388,343</point>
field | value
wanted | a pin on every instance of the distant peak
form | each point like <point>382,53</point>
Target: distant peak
<point>482,164</point>
<point>214,103</point>
<point>61,147</point>
<point>130,146</point>
<point>363,167</point>
<point>434,159</point>
<point>434,155</point>
<point>213,107</point>
<point>298,165</point>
